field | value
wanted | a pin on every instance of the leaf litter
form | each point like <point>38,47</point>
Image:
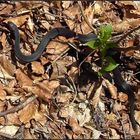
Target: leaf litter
<point>50,98</point>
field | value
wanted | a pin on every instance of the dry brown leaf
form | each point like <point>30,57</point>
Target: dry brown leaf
<point>68,111</point>
<point>96,98</point>
<point>64,98</point>
<point>2,106</point>
<point>73,72</point>
<point>126,24</point>
<point>84,117</point>
<point>75,126</point>
<point>96,134</point>
<point>69,134</point>
<point>66,4</point>
<point>19,20</point>
<point>122,97</point>
<point>7,69</point>
<point>7,65</point>
<point>81,96</point>
<point>64,112</point>
<point>37,67</point>
<point>137,116</point>
<point>131,8</point>
<point>118,107</point>
<point>43,89</point>
<point>4,74</point>
<point>127,44</point>
<point>98,7</point>
<point>114,134</point>
<point>38,90</point>
<point>51,85</point>
<point>9,130</point>
<point>12,119</point>
<point>56,47</point>
<point>27,113</point>
<point>111,117</point>
<point>40,117</point>
<point>3,40</point>
<point>27,134</point>
<point>5,9</point>
<point>30,24</point>
<point>72,12</point>
<point>2,121</point>
<point>2,93</point>
<point>23,79</point>
<point>112,89</point>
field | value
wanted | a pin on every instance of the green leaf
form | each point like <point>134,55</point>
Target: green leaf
<point>111,64</point>
<point>94,44</point>
<point>105,32</point>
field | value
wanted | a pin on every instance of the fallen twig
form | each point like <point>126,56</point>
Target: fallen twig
<point>127,33</point>
<point>85,18</point>
<point>19,107</point>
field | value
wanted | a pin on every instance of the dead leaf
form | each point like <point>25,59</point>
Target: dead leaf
<point>7,69</point>
<point>30,24</point>
<point>131,8</point>
<point>7,65</point>
<point>3,40</point>
<point>96,98</point>
<point>118,107</point>
<point>27,113</point>
<point>5,9</point>
<point>137,116</point>
<point>2,106</point>
<point>51,85</point>
<point>2,93</point>
<point>111,117</point>
<point>38,90</point>
<point>2,121</point>
<point>56,47</point>
<point>84,117</point>
<point>98,7</point>
<point>19,20</point>
<point>66,4</point>
<point>37,67</point>
<point>126,24</point>
<point>9,130</point>
<point>73,72</point>
<point>68,111</point>
<point>64,98</point>
<point>23,79</point>
<point>40,117</point>
<point>27,134</point>
<point>12,119</point>
<point>114,134</point>
<point>81,96</point>
<point>75,126</point>
<point>112,89</point>
<point>122,97</point>
<point>96,134</point>
<point>64,113</point>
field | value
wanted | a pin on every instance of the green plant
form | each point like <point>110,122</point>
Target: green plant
<point>102,44</point>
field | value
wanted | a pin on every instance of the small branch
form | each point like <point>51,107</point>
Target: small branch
<point>128,49</point>
<point>126,34</point>
<point>85,18</point>
<point>19,107</point>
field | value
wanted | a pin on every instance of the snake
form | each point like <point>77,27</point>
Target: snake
<point>83,38</point>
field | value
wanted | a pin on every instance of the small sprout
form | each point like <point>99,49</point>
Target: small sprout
<point>102,44</point>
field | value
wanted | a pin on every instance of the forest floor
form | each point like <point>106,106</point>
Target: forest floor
<point>61,95</point>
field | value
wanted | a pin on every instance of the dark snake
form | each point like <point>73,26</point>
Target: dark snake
<point>118,79</point>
